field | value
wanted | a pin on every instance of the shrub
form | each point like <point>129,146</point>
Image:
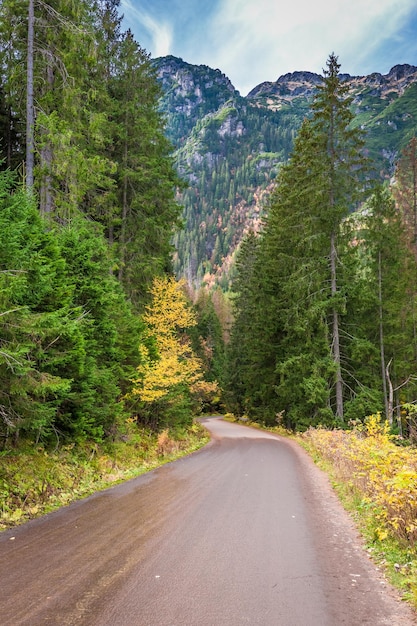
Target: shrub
<point>383,474</point>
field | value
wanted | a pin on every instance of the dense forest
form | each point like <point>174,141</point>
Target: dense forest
<point>325,297</point>
<point>87,214</point>
<point>95,328</point>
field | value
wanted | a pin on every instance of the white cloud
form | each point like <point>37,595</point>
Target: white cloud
<point>252,41</point>
<point>269,38</point>
<point>159,32</point>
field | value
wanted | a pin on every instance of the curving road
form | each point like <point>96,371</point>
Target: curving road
<point>245,531</point>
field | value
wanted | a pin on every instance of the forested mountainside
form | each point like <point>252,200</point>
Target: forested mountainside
<point>229,148</point>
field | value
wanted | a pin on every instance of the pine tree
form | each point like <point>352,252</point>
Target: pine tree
<point>385,301</point>
<point>13,60</point>
<point>248,375</point>
<point>30,111</point>
<point>207,337</point>
<point>53,57</point>
<point>296,304</point>
<point>145,178</point>
<point>405,190</point>
<point>293,262</point>
<point>66,349</point>
<point>340,162</point>
<point>35,316</point>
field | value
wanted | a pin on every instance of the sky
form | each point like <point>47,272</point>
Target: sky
<point>253,41</point>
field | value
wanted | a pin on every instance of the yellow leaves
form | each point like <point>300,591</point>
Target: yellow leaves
<point>158,378</point>
<point>381,534</point>
<point>376,427</point>
<point>205,392</point>
<point>168,311</point>
<point>381,473</point>
<point>167,317</point>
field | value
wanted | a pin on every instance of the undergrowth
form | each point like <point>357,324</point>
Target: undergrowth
<point>35,481</point>
<point>377,482</point>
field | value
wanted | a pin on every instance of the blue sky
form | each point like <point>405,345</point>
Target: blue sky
<point>253,41</point>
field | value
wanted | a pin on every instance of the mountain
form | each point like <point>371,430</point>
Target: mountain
<point>228,148</point>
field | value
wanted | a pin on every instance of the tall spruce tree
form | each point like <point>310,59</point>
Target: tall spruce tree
<point>298,322</point>
<point>66,349</point>
<point>47,52</point>
<point>102,166</point>
<point>145,178</point>
<point>405,190</point>
<point>240,353</point>
<point>387,278</point>
<point>341,163</point>
<point>13,37</point>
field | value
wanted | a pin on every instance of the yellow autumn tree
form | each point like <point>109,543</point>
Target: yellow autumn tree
<point>171,375</point>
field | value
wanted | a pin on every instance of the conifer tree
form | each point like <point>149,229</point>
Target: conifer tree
<point>30,112</point>
<point>66,349</point>
<point>35,314</point>
<point>208,342</point>
<point>405,190</point>
<point>341,163</point>
<point>296,349</point>
<point>293,262</point>
<point>385,302</point>
<point>249,375</point>
<point>145,179</point>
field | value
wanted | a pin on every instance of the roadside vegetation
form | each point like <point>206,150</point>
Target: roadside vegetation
<point>375,476</point>
<point>35,480</point>
<point>104,360</point>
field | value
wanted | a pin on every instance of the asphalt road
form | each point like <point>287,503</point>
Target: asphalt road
<point>245,531</point>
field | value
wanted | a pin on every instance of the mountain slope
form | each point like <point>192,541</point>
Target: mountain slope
<point>229,148</point>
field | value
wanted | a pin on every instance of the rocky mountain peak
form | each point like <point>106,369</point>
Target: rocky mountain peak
<point>399,72</point>
<point>300,77</point>
<point>396,81</point>
<point>304,84</point>
<point>190,93</point>
<point>289,85</point>
<point>174,73</point>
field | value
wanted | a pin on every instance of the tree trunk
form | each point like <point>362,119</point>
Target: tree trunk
<point>381,338</point>
<point>390,394</point>
<point>30,113</point>
<point>390,415</point>
<point>335,338</point>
